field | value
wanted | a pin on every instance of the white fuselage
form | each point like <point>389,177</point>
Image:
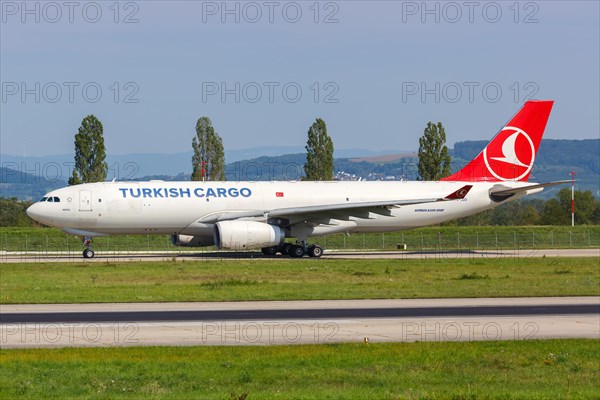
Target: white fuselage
<point>158,207</point>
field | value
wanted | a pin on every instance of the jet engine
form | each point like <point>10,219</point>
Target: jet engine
<point>245,235</point>
<point>191,241</point>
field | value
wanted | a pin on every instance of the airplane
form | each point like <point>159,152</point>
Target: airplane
<point>261,215</point>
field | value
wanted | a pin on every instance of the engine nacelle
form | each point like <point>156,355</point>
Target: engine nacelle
<point>191,241</point>
<point>245,235</point>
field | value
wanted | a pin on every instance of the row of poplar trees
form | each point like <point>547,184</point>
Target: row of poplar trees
<point>208,160</point>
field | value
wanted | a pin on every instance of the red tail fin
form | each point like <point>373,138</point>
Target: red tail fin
<point>509,156</point>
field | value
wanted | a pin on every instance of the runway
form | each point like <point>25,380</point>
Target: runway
<point>264,323</point>
<point>333,313</point>
<point>126,256</point>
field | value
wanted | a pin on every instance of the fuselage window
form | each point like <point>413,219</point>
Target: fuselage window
<point>56,200</point>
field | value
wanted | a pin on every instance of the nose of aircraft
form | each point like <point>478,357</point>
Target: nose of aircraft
<point>33,212</point>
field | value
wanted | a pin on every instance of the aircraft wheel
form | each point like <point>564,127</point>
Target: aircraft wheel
<point>315,251</point>
<point>285,249</point>
<point>297,251</point>
<point>269,251</point>
<point>88,253</point>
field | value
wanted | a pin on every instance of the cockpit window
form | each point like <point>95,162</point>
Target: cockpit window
<point>51,199</point>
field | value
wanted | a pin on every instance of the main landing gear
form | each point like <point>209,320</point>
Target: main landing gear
<point>88,252</point>
<point>294,250</point>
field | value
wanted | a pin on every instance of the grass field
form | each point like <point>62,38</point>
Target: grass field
<point>549,369</point>
<point>287,279</point>
<point>431,238</point>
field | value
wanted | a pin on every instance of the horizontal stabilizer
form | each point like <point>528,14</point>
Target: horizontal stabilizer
<point>504,191</point>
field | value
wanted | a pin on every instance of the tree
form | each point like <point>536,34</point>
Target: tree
<point>90,153</point>
<point>319,153</point>
<point>585,205</point>
<point>529,215</point>
<point>434,159</point>
<point>596,214</point>
<point>505,214</point>
<point>553,214</point>
<point>557,211</point>
<point>12,212</point>
<point>208,161</point>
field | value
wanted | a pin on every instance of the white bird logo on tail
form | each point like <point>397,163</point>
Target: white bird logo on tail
<point>509,151</point>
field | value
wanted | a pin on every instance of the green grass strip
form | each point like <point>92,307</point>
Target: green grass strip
<point>291,279</point>
<point>549,369</point>
<point>429,238</point>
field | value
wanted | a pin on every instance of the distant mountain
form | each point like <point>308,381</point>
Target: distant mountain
<point>30,178</point>
<point>121,167</point>
<point>138,165</point>
<point>26,186</point>
<point>555,161</point>
<point>264,168</point>
<point>275,151</point>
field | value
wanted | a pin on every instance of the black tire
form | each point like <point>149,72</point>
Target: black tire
<point>285,248</point>
<point>315,251</point>
<point>88,253</point>
<point>297,251</point>
<point>269,251</point>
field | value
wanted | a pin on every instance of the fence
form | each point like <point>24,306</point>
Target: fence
<point>56,243</point>
<point>457,241</point>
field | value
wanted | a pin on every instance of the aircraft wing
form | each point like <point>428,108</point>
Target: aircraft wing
<point>284,212</point>
<point>318,210</point>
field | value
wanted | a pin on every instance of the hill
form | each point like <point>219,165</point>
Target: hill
<point>26,186</point>
<point>556,159</point>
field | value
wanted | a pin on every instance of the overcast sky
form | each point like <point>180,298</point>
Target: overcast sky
<point>377,72</point>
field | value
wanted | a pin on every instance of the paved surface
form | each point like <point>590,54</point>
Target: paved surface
<point>264,323</point>
<point>17,257</point>
<point>275,315</point>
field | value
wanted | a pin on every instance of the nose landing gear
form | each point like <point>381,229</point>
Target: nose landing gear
<point>88,252</point>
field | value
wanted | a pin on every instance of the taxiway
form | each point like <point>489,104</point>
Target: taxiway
<point>298,322</point>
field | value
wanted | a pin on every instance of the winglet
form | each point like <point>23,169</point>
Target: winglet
<point>459,194</point>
